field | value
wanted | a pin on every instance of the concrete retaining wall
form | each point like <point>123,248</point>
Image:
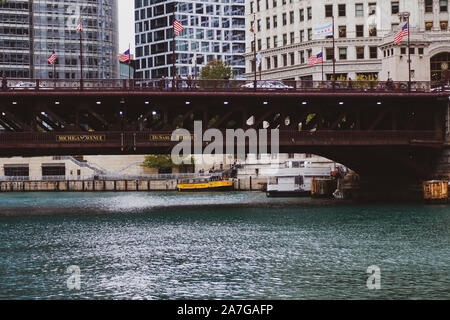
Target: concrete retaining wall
<point>250,183</point>
<point>86,186</point>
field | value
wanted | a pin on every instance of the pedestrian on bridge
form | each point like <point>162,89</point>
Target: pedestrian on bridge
<point>4,82</point>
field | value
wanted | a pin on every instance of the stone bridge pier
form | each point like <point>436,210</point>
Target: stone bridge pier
<point>442,165</point>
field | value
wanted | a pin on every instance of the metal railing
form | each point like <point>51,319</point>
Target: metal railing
<point>142,138</point>
<point>223,85</point>
<point>107,177</point>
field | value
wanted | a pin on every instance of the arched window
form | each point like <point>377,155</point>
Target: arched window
<point>440,66</point>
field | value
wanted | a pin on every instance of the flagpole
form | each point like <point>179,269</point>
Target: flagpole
<point>334,57</point>
<point>129,64</point>
<point>81,55</point>
<point>54,74</point>
<point>322,64</point>
<point>173,51</point>
<point>254,52</point>
<point>409,55</point>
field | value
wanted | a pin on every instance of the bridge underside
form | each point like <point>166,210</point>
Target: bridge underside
<point>373,134</point>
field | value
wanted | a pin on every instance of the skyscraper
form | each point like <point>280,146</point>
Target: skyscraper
<point>213,29</point>
<point>31,30</point>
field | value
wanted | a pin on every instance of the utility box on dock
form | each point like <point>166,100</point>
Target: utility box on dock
<point>435,191</point>
<point>323,187</point>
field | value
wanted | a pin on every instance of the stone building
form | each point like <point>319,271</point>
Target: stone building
<point>364,35</point>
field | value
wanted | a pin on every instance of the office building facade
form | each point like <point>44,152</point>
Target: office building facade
<point>213,29</point>
<point>364,35</point>
<point>31,30</point>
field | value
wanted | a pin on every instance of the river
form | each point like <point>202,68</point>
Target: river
<point>240,245</point>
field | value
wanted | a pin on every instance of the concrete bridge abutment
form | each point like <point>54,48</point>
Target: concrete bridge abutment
<point>442,164</point>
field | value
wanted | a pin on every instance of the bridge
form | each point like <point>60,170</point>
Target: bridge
<point>375,128</point>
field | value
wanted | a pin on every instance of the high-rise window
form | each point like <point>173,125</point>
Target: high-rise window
<point>342,31</point>
<point>285,61</point>
<point>275,41</point>
<point>309,13</point>
<point>329,54</point>
<point>359,10</point>
<point>373,52</point>
<point>341,10</point>
<point>302,15</point>
<point>428,25</point>
<point>372,8</point>
<point>360,30</point>
<point>268,63</point>
<point>444,25</point>
<point>275,21</point>
<point>267,23</point>
<point>310,34</point>
<point>328,10</point>
<point>342,53</point>
<point>285,39</point>
<point>284,18</point>
<point>291,17</point>
<point>443,5</point>
<point>302,35</point>
<point>372,31</point>
<point>395,7</point>
<point>428,5</point>
<point>302,57</point>
<point>268,42</point>
<point>359,52</point>
<point>292,37</point>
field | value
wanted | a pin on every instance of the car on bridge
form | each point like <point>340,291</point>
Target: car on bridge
<point>267,85</point>
<point>439,89</point>
<point>24,85</point>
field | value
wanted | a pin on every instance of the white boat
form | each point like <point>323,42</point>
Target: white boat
<point>294,179</point>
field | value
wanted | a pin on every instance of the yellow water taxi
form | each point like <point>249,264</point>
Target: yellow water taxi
<point>205,184</point>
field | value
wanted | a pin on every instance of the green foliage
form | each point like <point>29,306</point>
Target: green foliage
<point>216,69</point>
<point>365,82</point>
<point>2,3</point>
<point>164,161</point>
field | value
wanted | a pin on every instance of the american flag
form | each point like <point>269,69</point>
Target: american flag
<point>124,57</point>
<point>52,58</point>
<point>315,59</point>
<point>403,32</point>
<point>177,27</point>
<point>80,27</point>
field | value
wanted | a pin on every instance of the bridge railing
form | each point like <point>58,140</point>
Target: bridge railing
<point>105,177</point>
<point>144,138</point>
<point>223,85</point>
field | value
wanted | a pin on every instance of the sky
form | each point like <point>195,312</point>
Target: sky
<point>126,25</point>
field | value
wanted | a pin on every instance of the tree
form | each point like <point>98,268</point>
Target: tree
<point>163,161</point>
<point>216,70</point>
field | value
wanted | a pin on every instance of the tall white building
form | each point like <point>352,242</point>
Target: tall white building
<point>364,35</point>
<point>213,29</point>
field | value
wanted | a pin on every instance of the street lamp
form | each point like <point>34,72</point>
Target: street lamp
<point>404,16</point>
